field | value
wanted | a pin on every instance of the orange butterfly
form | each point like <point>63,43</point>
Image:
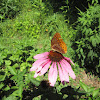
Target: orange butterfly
<point>57,44</point>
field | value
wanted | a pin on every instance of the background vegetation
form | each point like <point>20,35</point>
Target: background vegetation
<point>26,29</point>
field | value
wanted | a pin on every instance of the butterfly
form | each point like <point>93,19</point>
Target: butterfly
<point>57,44</point>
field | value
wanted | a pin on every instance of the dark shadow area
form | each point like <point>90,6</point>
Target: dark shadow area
<point>69,8</point>
<point>72,93</point>
<point>6,82</point>
<point>28,48</point>
<point>51,94</point>
<point>26,55</point>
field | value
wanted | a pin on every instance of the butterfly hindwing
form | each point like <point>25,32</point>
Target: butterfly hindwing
<point>57,44</point>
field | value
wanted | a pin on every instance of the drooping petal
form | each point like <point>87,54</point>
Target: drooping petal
<point>61,73</point>
<point>42,55</point>
<point>37,63</point>
<point>38,70</point>
<point>45,68</point>
<point>68,68</point>
<point>69,60</point>
<point>65,72</point>
<point>36,74</point>
<point>52,76</point>
<point>41,66</point>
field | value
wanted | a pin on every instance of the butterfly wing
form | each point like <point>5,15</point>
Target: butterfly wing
<point>57,44</point>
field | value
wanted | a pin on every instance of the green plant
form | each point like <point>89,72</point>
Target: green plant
<point>87,38</point>
<point>90,92</point>
<point>9,8</point>
<point>15,61</point>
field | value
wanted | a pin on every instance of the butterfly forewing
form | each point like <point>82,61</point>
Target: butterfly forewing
<point>57,44</point>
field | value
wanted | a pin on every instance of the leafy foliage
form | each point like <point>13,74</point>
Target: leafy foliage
<point>15,61</point>
<point>91,92</point>
<point>87,38</point>
<point>8,8</point>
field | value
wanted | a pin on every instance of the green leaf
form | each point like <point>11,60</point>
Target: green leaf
<point>96,93</point>
<point>12,70</point>
<point>94,42</point>
<point>2,76</point>
<point>97,98</point>
<point>37,98</point>
<point>84,86</point>
<point>1,85</point>
<point>23,66</point>
<point>14,57</point>
<point>90,53</point>
<point>81,51</point>
<point>7,62</point>
<point>14,87</point>
<point>29,59</point>
<point>20,90</point>
<point>91,89</point>
<point>35,82</point>
<point>11,97</point>
<point>11,58</point>
<point>15,65</point>
<point>15,93</point>
<point>6,88</point>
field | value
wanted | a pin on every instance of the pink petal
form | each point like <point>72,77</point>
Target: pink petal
<point>45,68</point>
<point>60,73</point>
<point>41,66</point>
<point>37,63</point>
<point>38,70</point>
<point>69,60</point>
<point>42,55</point>
<point>35,75</point>
<point>68,68</point>
<point>65,72</point>
<point>52,76</point>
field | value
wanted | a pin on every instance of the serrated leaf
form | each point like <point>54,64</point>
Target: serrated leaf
<point>18,92</point>
<point>12,70</point>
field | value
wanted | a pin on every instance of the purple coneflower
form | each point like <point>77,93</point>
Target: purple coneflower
<point>56,62</point>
